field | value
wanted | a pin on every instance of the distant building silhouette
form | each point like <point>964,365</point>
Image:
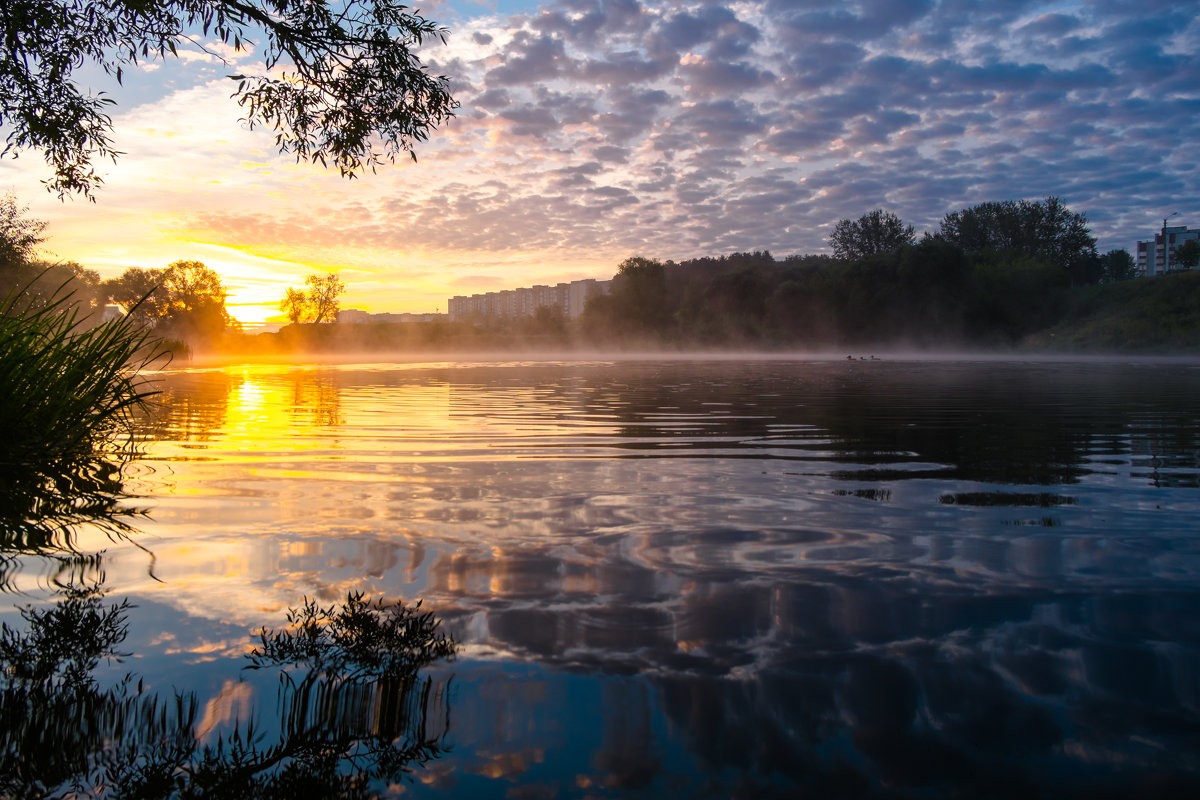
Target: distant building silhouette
<point>569,298</point>
<point>358,316</point>
<point>1157,256</point>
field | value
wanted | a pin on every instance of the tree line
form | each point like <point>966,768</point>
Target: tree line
<point>990,275</point>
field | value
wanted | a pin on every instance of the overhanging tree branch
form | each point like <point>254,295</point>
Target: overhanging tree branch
<point>343,83</point>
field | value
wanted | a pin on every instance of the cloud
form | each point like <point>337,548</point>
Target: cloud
<point>590,130</point>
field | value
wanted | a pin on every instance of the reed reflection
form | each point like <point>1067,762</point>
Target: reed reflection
<point>46,510</point>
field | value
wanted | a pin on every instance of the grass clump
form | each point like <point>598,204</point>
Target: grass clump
<point>1159,314</point>
<point>71,394</point>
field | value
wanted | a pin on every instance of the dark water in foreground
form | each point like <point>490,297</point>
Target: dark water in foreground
<point>740,578</point>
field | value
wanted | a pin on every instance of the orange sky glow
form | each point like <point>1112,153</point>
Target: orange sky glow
<point>193,183</point>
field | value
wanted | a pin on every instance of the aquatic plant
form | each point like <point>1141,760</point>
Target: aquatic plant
<point>72,391</point>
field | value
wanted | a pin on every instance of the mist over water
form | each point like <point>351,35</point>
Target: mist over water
<point>709,576</point>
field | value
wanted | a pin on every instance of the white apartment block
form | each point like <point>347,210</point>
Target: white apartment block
<point>358,316</point>
<point>569,298</point>
<point>1157,256</point>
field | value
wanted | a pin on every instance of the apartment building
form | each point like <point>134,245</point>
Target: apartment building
<point>1157,256</point>
<point>358,316</point>
<point>569,298</point>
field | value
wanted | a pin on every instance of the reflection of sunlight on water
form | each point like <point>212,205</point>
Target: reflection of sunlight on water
<point>248,399</point>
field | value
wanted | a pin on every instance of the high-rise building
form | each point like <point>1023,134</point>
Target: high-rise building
<point>1157,256</point>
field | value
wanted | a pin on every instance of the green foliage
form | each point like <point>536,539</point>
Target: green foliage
<point>319,303</point>
<point>874,233</point>
<point>1045,230</point>
<point>1187,255</point>
<point>1014,296</point>
<point>185,301</point>
<point>640,297</point>
<point>1159,314</point>
<point>193,302</point>
<point>38,283</point>
<point>352,92</point>
<point>68,409</point>
<point>70,393</point>
<point>136,290</point>
<point>19,235</point>
<point>1117,265</point>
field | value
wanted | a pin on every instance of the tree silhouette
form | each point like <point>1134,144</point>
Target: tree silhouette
<point>19,235</point>
<point>1040,229</point>
<point>319,303</point>
<point>871,234</point>
<point>340,83</point>
<point>194,300</point>
<point>1187,255</point>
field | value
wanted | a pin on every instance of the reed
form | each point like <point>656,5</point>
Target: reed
<point>70,391</point>
<point>69,396</point>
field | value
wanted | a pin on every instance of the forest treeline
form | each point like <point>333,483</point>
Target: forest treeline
<point>997,276</point>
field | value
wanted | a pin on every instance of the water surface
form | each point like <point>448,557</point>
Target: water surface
<point>893,578</point>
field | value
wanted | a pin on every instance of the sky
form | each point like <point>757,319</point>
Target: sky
<point>593,130</point>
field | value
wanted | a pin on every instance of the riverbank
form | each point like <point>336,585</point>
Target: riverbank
<point>1150,315</point>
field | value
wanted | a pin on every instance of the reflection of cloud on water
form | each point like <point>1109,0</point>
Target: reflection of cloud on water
<point>788,588</point>
<point>231,704</point>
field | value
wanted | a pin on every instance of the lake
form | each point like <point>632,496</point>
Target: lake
<point>729,577</point>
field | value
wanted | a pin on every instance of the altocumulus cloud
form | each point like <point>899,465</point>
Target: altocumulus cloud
<point>593,129</point>
<point>762,123</point>
<point>684,129</point>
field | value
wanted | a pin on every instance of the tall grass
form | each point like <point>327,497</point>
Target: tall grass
<point>69,394</point>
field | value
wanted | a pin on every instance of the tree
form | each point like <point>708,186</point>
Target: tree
<point>323,292</point>
<point>19,235</point>
<point>341,82</point>
<point>875,232</point>
<point>1038,229</point>
<point>136,287</point>
<point>193,301</point>
<point>39,282</point>
<point>1187,255</point>
<point>640,294</point>
<point>1117,265</point>
<point>293,305</point>
<point>319,303</point>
